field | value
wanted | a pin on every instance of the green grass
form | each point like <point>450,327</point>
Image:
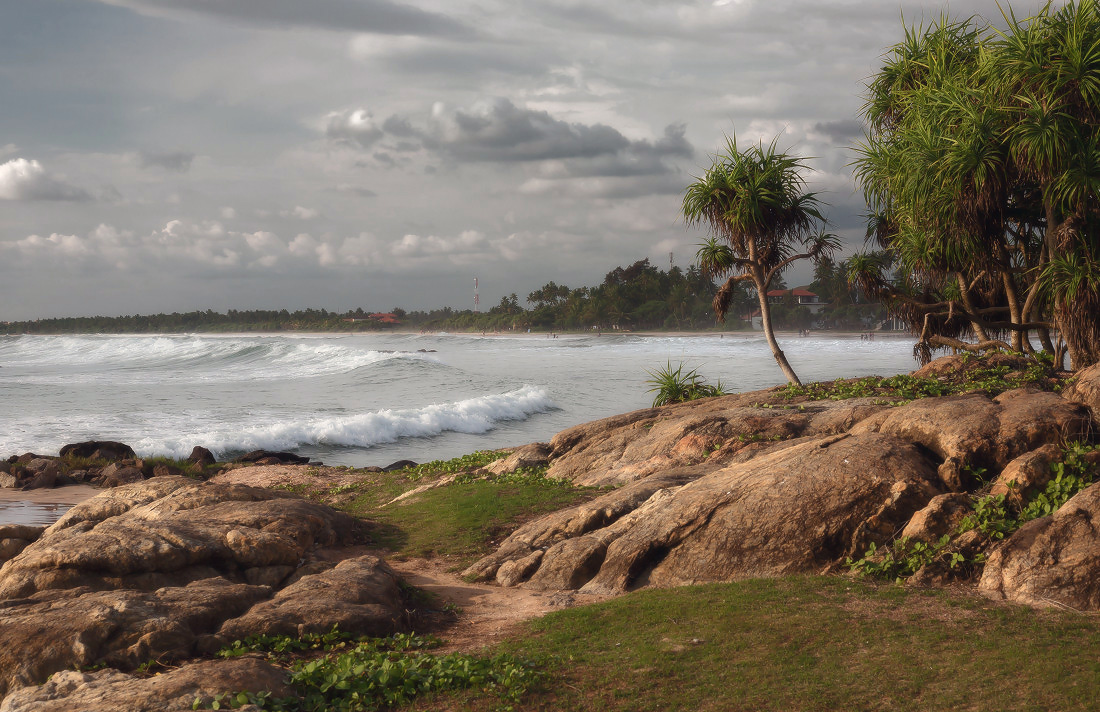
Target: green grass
<point>975,374</point>
<point>805,643</point>
<point>461,521</point>
<point>465,520</point>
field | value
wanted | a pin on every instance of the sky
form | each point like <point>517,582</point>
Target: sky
<point>173,155</point>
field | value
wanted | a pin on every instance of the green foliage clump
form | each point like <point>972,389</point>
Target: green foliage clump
<point>994,516</point>
<point>675,386</point>
<point>375,672</point>
<point>903,558</point>
<point>975,375</point>
<point>465,463</point>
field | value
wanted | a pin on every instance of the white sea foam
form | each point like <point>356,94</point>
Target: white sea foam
<point>193,359</point>
<point>474,415</point>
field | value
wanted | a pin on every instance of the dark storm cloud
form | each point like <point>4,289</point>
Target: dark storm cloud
<point>175,161</point>
<point>373,16</point>
<point>503,132</point>
<point>841,132</point>
<point>498,131</point>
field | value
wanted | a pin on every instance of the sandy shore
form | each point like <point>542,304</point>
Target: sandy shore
<point>68,495</point>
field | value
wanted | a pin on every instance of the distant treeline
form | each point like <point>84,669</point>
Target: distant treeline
<point>637,297</point>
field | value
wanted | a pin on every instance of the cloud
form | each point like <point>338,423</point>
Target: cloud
<point>354,126</point>
<point>174,161</point>
<point>356,190</point>
<point>370,16</point>
<point>498,131</point>
<point>300,213</point>
<point>841,132</point>
<point>22,179</point>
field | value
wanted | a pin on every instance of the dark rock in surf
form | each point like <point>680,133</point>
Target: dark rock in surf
<point>99,450</point>
<point>201,456</point>
<point>275,458</point>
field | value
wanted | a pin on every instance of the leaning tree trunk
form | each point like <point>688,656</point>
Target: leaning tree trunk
<point>1077,317</point>
<point>1078,321</point>
<point>766,322</point>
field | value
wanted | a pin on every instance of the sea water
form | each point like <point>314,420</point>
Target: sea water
<point>372,399</point>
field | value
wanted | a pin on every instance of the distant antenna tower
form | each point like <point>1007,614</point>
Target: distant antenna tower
<point>670,262</point>
<point>477,299</point>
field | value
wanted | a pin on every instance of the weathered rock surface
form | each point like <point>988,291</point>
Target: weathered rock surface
<point>1054,560</point>
<point>173,691</point>
<point>973,430</point>
<point>1085,389</point>
<point>941,516</point>
<point>629,447</point>
<point>154,570</point>
<point>794,509</point>
<point>1028,473</point>
<point>533,455</point>
<point>56,630</point>
<point>359,594</point>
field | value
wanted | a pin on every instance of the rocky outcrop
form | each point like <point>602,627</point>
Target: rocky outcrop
<point>629,447</point>
<point>172,691</point>
<point>941,516</point>
<point>975,431</point>
<point>533,455</point>
<point>758,485</point>
<point>798,508</point>
<point>1054,560</point>
<point>167,568</point>
<point>1085,389</point>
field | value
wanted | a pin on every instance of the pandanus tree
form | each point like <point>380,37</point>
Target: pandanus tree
<point>761,220</point>
<point>981,168</point>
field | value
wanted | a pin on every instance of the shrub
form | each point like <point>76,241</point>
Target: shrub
<point>675,386</point>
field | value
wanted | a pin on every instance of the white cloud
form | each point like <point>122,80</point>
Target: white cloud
<point>300,213</point>
<point>22,179</point>
<point>354,126</point>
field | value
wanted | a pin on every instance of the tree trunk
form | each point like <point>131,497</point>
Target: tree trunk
<point>766,322</point>
<point>1077,317</point>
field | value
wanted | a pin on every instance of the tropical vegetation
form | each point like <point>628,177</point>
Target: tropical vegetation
<point>762,221</point>
<point>981,169</point>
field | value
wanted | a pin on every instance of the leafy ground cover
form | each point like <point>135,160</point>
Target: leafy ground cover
<point>804,643</point>
<point>992,374</point>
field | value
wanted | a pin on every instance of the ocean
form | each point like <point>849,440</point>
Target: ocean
<point>372,399</point>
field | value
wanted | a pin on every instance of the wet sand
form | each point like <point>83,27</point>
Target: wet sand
<point>41,506</point>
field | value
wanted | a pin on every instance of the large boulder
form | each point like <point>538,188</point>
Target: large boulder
<point>799,508</point>
<point>359,594</point>
<point>630,447</point>
<point>58,630</point>
<point>160,568</point>
<point>1085,389</point>
<point>973,431</point>
<point>172,691</point>
<point>1053,560</point>
<point>99,450</point>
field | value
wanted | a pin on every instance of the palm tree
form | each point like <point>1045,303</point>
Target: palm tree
<point>761,222</point>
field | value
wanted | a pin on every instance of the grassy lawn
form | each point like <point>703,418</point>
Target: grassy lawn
<point>806,643</point>
<point>461,521</point>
